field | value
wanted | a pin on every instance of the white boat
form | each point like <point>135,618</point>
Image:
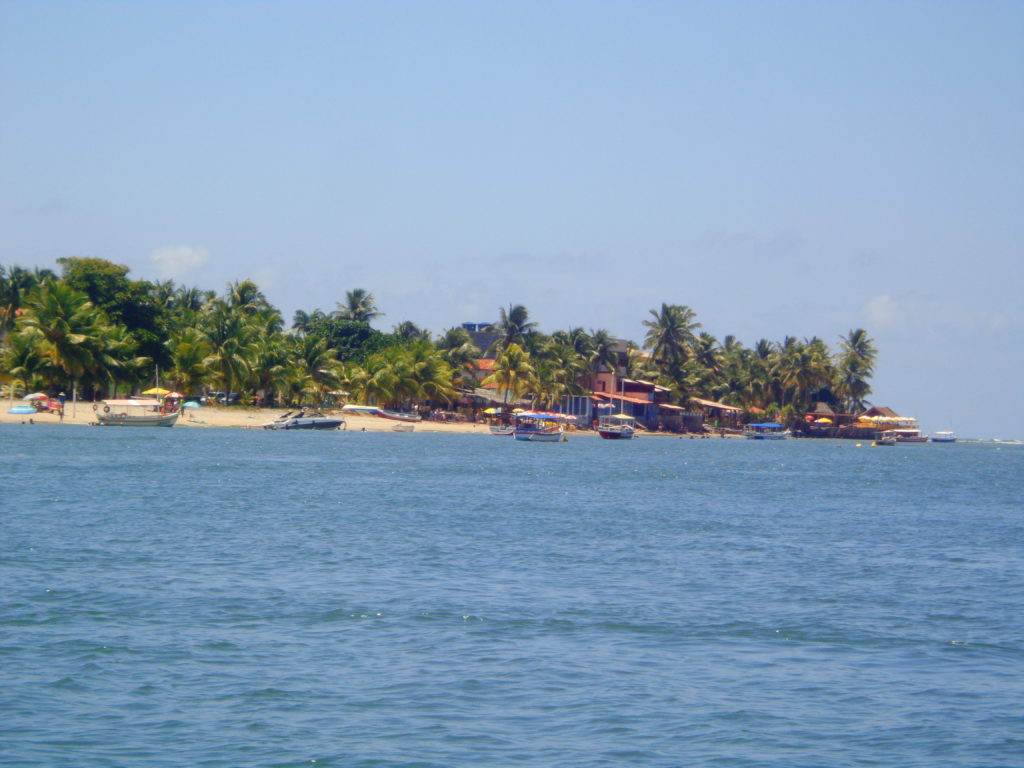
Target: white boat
<point>888,438</point>
<point>909,435</point>
<point>504,430</point>
<point>538,427</point>
<point>768,430</point>
<point>373,410</point>
<point>303,420</point>
<point>618,426</point>
<point>134,413</point>
<point>944,436</point>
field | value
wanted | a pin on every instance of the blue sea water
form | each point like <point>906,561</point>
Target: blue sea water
<point>246,598</point>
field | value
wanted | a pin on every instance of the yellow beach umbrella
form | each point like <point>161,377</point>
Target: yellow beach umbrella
<point>157,391</point>
<point>823,420</point>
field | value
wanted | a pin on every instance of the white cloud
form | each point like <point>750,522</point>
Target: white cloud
<point>882,312</point>
<point>173,261</point>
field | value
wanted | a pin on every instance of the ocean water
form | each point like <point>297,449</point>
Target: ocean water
<point>246,598</point>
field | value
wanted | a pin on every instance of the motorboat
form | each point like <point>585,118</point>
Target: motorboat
<point>373,410</point>
<point>944,436</point>
<point>909,435</point>
<point>539,427</point>
<point>399,415</point>
<point>768,430</point>
<point>304,420</point>
<point>134,412</point>
<point>886,438</point>
<point>617,426</point>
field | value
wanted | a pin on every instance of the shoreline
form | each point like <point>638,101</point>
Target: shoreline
<point>241,417</point>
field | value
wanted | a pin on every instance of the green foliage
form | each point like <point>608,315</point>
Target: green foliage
<point>97,328</point>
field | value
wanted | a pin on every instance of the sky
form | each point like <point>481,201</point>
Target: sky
<point>783,168</point>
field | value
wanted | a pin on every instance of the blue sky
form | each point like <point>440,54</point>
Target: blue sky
<point>798,168</point>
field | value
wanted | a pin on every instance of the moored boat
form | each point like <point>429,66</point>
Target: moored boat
<point>886,438</point>
<point>618,426</point>
<point>134,413</point>
<point>539,427</point>
<point>768,430</point>
<point>374,410</point>
<point>909,435</point>
<point>944,436</point>
<point>303,420</point>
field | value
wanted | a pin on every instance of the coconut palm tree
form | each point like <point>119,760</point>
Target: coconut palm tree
<point>513,373</point>
<point>317,365</point>
<point>359,307</point>
<point>854,366</point>
<point>671,334</point>
<point>26,370</point>
<point>189,350</point>
<point>15,283</point>
<point>230,335</point>
<point>67,329</point>
<point>458,350</point>
<point>513,326</point>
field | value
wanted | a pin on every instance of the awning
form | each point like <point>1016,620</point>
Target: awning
<point>713,404</point>
<point>670,407</point>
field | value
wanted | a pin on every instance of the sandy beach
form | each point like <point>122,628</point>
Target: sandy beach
<point>240,417</point>
<point>245,418</point>
<point>235,416</point>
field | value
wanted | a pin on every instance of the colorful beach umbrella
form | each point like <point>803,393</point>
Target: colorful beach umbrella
<point>157,391</point>
<point>36,396</point>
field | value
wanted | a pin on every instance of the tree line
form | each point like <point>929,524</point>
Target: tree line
<point>94,330</point>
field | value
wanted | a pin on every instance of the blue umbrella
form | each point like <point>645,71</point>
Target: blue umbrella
<point>22,410</point>
<point>191,404</point>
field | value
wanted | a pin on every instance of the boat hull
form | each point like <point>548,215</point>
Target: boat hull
<point>617,434</point>
<point>501,431</point>
<point>165,420</point>
<point>769,436</point>
<point>539,436</point>
<point>396,416</point>
<point>308,423</point>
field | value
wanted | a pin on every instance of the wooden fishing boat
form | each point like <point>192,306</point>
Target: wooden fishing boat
<point>617,426</point>
<point>539,427</point>
<point>134,413</point>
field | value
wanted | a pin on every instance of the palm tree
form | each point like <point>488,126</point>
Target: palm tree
<point>671,334</point>
<point>24,365</point>
<point>15,283</point>
<point>512,373</point>
<point>67,329</point>
<point>359,307</point>
<point>408,330</point>
<point>317,365</point>
<point>189,351</point>
<point>513,326</point>
<point>230,337</point>
<point>854,366</point>
<point>457,348</point>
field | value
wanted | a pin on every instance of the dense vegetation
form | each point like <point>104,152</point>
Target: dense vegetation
<point>93,330</point>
